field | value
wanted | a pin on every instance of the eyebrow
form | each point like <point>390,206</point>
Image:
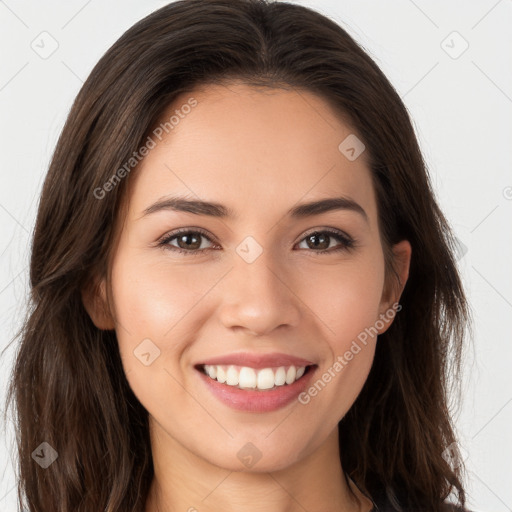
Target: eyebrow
<point>184,204</point>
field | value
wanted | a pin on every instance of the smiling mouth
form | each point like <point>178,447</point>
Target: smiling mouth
<point>261,379</point>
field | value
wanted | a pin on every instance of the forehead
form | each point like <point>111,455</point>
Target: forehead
<point>251,148</point>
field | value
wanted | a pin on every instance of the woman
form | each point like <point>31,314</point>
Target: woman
<point>244,293</point>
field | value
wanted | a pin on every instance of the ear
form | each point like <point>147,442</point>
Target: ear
<point>94,299</point>
<point>395,284</point>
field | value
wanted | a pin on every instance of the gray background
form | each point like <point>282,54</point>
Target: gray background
<point>461,103</point>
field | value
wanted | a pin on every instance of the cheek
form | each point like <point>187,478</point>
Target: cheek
<point>155,313</point>
<point>345,297</point>
<point>152,298</point>
<point>159,302</point>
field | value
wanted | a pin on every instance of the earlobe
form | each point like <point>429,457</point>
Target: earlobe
<point>395,283</point>
<point>402,255</point>
<point>94,299</point>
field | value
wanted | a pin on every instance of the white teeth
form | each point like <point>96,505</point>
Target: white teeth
<point>232,376</point>
<point>247,377</point>
<point>244,377</point>
<point>221,374</point>
<point>280,376</point>
<point>266,379</point>
<point>290,375</point>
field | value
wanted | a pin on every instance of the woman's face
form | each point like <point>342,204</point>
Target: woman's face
<point>251,279</point>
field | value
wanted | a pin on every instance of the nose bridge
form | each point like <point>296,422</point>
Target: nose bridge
<point>256,295</point>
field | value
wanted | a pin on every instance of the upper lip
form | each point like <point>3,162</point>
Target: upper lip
<point>257,361</point>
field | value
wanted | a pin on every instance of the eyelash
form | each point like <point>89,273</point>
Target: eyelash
<point>347,243</point>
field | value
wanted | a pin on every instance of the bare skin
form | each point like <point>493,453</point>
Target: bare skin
<point>259,152</point>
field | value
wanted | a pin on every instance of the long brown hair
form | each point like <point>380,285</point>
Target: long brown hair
<point>68,386</point>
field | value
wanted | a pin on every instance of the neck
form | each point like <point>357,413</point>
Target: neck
<point>184,481</point>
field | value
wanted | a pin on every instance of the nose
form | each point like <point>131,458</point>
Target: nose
<point>259,297</point>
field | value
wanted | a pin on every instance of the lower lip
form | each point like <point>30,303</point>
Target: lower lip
<point>251,400</point>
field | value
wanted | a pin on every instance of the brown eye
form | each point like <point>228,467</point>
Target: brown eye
<point>189,241</point>
<point>185,241</point>
<point>320,241</point>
